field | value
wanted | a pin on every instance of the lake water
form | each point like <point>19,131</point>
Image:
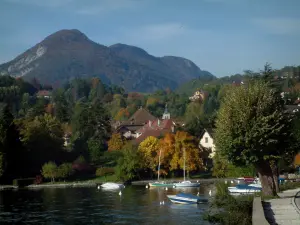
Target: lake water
<point>136,205</point>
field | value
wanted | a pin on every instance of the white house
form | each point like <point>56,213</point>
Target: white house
<point>207,141</point>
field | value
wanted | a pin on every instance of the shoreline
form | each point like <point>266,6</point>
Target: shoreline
<point>95,184</point>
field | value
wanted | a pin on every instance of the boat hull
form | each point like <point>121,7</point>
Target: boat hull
<point>160,185</point>
<point>186,184</point>
<point>186,199</point>
<point>243,191</point>
<point>112,186</point>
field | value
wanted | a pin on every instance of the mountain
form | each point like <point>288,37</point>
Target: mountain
<point>68,54</point>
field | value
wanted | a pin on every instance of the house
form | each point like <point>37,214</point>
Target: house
<point>199,95</point>
<point>44,94</point>
<point>155,128</point>
<point>207,141</point>
<point>129,127</point>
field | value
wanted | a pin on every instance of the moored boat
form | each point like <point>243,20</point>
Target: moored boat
<point>183,198</point>
<point>186,183</point>
<point>110,185</point>
<point>160,184</point>
<point>245,189</point>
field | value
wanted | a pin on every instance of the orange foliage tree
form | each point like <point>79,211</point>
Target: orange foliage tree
<point>193,155</point>
<point>123,114</point>
<point>297,160</point>
<point>49,109</point>
<point>116,142</point>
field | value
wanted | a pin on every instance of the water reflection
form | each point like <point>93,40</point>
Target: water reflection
<point>136,205</point>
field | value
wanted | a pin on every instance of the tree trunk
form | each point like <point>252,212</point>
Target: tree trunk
<point>266,178</point>
<point>274,168</point>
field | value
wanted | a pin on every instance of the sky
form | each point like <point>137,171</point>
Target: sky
<point>224,37</point>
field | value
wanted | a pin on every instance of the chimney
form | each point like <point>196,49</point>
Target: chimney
<point>158,122</point>
<point>150,123</point>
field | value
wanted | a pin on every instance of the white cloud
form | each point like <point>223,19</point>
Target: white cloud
<point>279,26</point>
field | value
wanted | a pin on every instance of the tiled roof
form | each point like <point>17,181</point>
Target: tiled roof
<point>44,93</point>
<point>148,133</point>
<point>157,128</point>
<point>157,124</point>
<point>141,116</point>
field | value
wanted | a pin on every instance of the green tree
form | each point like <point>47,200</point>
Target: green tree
<point>42,137</point>
<point>49,171</point>
<point>96,149</point>
<point>252,129</point>
<point>64,170</point>
<point>128,164</point>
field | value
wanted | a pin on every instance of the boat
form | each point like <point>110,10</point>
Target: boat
<point>245,189</point>
<point>183,198</point>
<point>159,183</point>
<point>110,185</point>
<point>185,183</point>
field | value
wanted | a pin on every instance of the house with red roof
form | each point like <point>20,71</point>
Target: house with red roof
<point>155,128</point>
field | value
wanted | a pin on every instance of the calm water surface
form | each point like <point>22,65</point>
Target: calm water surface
<point>137,205</point>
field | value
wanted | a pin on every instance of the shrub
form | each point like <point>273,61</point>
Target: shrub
<point>38,179</point>
<point>230,210</point>
<point>64,170</point>
<point>104,171</point>
<point>49,171</point>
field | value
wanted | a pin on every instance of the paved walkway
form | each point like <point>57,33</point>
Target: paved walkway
<point>284,210</point>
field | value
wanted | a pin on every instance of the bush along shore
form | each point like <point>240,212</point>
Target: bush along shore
<point>226,209</point>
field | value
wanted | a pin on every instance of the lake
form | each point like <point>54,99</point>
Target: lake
<point>136,205</point>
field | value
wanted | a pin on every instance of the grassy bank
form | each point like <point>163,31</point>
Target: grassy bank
<point>229,210</point>
<point>289,185</point>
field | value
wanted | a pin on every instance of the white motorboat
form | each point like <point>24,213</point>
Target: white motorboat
<point>183,198</point>
<point>110,185</point>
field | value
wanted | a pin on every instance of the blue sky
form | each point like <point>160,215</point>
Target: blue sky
<point>221,36</point>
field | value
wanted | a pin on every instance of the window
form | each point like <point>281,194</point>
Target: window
<point>206,140</point>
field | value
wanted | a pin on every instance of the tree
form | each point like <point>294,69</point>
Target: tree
<point>185,143</point>
<point>149,150</point>
<point>95,149</point>
<point>42,136</point>
<point>252,129</point>
<point>49,171</point>
<point>115,142</point>
<point>129,163</point>
<point>64,170</point>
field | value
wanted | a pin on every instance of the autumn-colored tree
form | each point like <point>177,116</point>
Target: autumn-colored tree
<point>116,142</point>
<point>297,160</point>
<point>49,109</point>
<point>123,114</point>
<point>151,101</point>
<point>149,150</point>
<point>167,147</point>
<point>193,155</point>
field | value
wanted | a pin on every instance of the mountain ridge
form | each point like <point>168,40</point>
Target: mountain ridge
<point>67,54</point>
